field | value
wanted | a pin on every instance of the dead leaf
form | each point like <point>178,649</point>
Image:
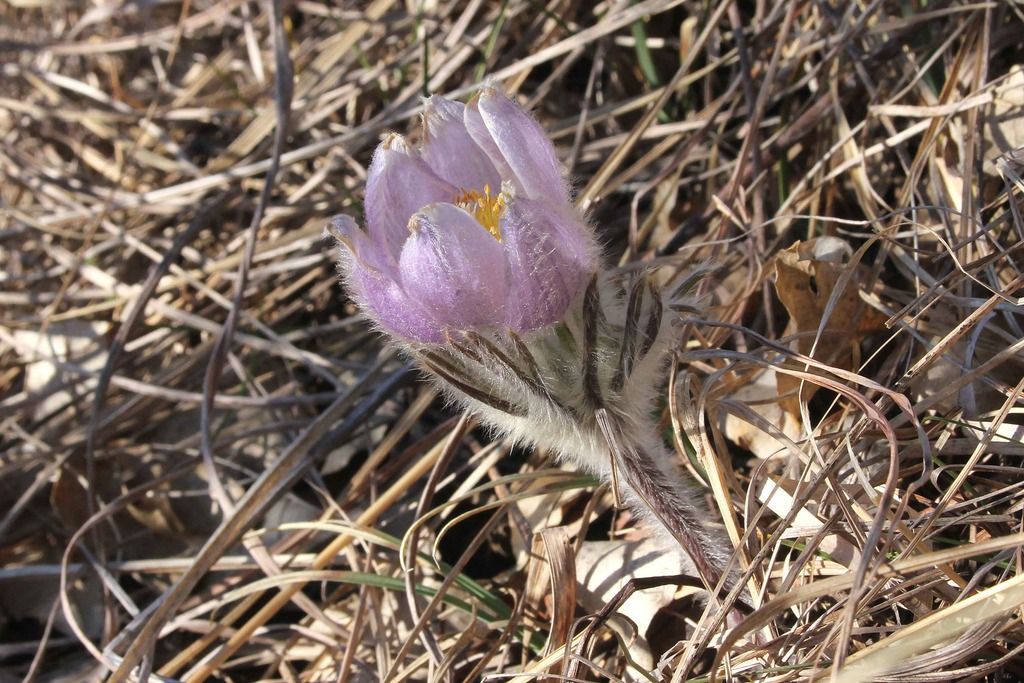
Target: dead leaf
<point>806,275</point>
<point>761,395</point>
<point>779,495</point>
<point>604,567</point>
<point>551,583</point>
<point>1004,125</point>
<point>765,410</point>
<point>70,341</point>
<point>29,598</point>
<point>69,496</point>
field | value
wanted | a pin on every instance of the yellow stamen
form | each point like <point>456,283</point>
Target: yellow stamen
<point>485,207</point>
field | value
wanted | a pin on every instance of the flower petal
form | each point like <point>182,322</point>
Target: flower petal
<point>450,151</point>
<point>550,258</point>
<point>523,145</point>
<point>376,290</point>
<point>455,268</point>
<point>477,130</point>
<point>398,185</point>
<point>356,244</point>
<point>384,300</point>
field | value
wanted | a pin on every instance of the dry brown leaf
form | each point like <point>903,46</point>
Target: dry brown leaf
<point>762,396</point>
<point>806,274</point>
<point>551,582</point>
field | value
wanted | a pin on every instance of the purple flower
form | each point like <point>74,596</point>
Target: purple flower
<point>474,231</point>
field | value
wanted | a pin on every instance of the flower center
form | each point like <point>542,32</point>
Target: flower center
<point>487,208</point>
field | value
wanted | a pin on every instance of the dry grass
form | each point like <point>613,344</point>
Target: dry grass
<point>211,468</point>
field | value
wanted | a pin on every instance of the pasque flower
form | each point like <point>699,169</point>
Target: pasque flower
<point>472,232</point>
<point>475,262</point>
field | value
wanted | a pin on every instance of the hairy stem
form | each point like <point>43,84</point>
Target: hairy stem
<point>672,505</point>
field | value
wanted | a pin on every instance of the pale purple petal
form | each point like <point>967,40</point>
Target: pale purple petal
<point>455,268</point>
<point>550,259</point>
<point>358,245</point>
<point>451,152</point>
<point>477,130</point>
<point>384,300</point>
<point>373,283</point>
<point>398,185</point>
<point>523,145</point>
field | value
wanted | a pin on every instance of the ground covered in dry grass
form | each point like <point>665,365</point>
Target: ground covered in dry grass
<point>210,469</point>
